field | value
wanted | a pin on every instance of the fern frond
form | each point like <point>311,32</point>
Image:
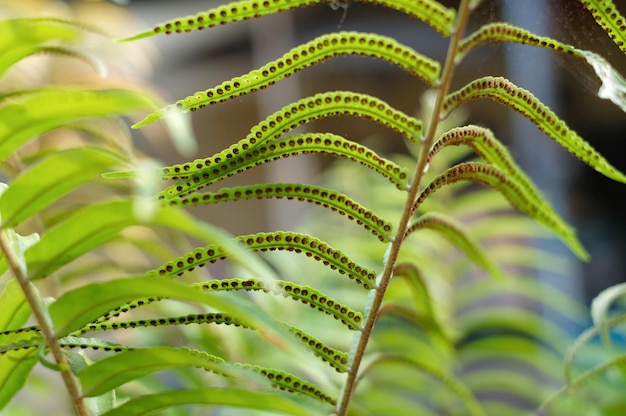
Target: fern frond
<point>323,143</point>
<point>431,12</point>
<point>236,397</point>
<point>308,54</point>
<point>505,32</point>
<point>505,92</point>
<point>32,113</point>
<point>279,240</point>
<point>512,191</point>
<point>328,198</point>
<point>336,358</point>
<point>291,383</point>
<point>609,18</point>
<point>421,295</point>
<point>483,142</point>
<point>454,384</point>
<point>458,235</point>
<point>305,294</point>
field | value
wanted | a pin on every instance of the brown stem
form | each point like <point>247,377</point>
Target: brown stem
<point>43,320</point>
<point>407,213</point>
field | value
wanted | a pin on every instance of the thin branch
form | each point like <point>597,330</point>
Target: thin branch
<point>47,331</point>
<point>408,211</point>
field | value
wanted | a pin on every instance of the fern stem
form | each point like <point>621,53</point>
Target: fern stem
<point>45,325</point>
<point>408,211</point>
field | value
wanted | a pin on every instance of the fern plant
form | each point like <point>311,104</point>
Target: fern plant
<point>393,346</point>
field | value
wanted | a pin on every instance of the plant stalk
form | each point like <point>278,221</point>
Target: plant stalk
<point>408,211</point>
<point>41,316</point>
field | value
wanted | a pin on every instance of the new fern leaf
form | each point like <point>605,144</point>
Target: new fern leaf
<point>229,163</point>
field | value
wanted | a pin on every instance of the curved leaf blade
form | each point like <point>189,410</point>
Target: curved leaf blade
<point>609,18</point>
<point>86,229</point>
<point>15,308</point>
<point>278,240</point>
<point>496,179</point>
<point>111,372</point>
<point>308,54</point>
<point>600,306</point>
<point>23,37</point>
<point>505,32</point>
<point>15,367</point>
<point>328,198</point>
<point>459,236</point>
<point>305,294</point>
<point>315,107</point>
<point>56,175</point>
<point>432,12</point>
<point>77,308</point>
<point>32,113</point>
<point>210,396</point>
<point>452,383</point>
<point>505,92</point>
<point>243,156</point>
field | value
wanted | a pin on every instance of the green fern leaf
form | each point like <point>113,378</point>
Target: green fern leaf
<point>241,398</point>
<point>279,240</point>
<point>610,19</point>
<point>311,53</point>
<point>33,113</point>
<point>291,383</point>
<point>53,177</point>
<point>421,295</point>
<point>15,308</point>
<point>111,372</point>
<point>458,235</point>
<point>512,191</point>
<point>334,200</point>
<point>483,142</point>
<point>17,360</point>
<point>505,92</point>
<point>504,32</point>
<point>454,384</point>
<point>584,339</point>
<point>336,358</point>
<point>78,308</point>
<point>20,38</point>
<point>288,118</point>
<point>305,294</point>
<point>430,11</point>
<point>203,318</point>
<point>237,162</point>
